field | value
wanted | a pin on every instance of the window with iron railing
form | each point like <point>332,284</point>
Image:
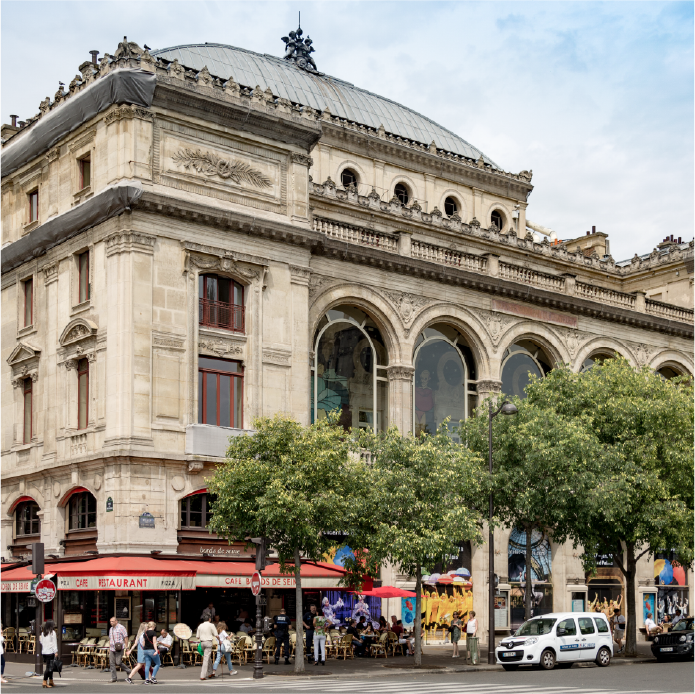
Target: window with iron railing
<point>221,303</point>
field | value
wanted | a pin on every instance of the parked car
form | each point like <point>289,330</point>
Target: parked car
<point>676,643</point>
<point>559,638</point>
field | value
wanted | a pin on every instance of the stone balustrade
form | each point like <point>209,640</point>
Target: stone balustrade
<point>524,275</point>
<point>658,308</point>
<point>605,296</point>
<point>357,235</point>
<point>446,256</point>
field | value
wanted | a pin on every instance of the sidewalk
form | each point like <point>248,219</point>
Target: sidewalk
<point>435,660</point>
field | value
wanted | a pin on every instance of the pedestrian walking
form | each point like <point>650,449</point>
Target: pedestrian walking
<point>471,626</point>
<point>282,635</point>
<point>455,630</point>
<point>49,648</point>
<point>319,640</point>
<point>2,657</point>
<point>206,634</point>
<point>117,642</point>
<point>152,660</point>
<point>140,645</point>
<point>618,624</point>
<point>224,648</point>
<point>308,621</point>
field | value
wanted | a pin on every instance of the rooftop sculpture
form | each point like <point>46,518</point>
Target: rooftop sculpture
<point>299,51</point>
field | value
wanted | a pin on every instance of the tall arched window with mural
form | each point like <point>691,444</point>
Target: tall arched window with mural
<point>520,361</point>
<point>444,382</point>
<point>541,586</point>
<point>349,370</point>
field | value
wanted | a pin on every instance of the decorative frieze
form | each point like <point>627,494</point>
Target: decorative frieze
<point>303,159</point>
<point>50,273</point>
<point>168,341</point>
<point>128,112</point>
<point>210,164</point>
<point>408,305</point>
<point>400,372</point>
<point>128,242</point>
<point>300,275</point>
<point>277,355</point>
<point>219,347</point>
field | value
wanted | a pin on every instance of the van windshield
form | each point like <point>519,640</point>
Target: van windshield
<point>536,627</point>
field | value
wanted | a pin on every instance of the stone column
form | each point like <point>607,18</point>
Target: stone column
<point>299,186</point>
<point>401,396</point>
<point>379,170</point>
<point>478,206</point>
<point>300,376</point>
<point>429,191</point>
<point>521,231</point>
<point>488,388</point>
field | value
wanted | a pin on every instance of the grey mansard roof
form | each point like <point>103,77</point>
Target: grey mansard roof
<point>344,100</point>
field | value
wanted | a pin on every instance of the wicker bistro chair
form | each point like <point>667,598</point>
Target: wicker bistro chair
<point>9,634</point>
<point>345,647</point>
<point>249,648</point>
<point>380,647</point>
<point>87,653</point>
<point>269,648</point>
<point>78,653</point>
<point>393,642</point>
<point>23,640</point>
<point>293,643</point>
<point>186,654</point>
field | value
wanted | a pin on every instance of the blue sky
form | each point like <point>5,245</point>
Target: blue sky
<point>596,98</point>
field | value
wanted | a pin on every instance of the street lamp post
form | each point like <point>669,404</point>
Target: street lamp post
<point>506,408</point>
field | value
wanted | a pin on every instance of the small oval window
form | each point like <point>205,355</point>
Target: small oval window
<point>497,219</point>
<point>450,207</point>
<point>348,177</point>
<point>401,192</point>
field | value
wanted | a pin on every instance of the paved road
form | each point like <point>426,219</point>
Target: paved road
<point>645,678</point>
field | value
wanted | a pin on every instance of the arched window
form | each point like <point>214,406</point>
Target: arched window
<point>519,361</point>
<point>349,371</point>
<point>444,379</point>
<point>450,206</point>
<point>497,219</point>
<point>28,398</point>
<point>597,358</point>
<point>401,192</point>
<point>82,511</point>
<point>27,521</point>
<point>668,372</point>
<point>221,303</point>
<point>348,177</point>
<point>196,510</point>
<point>82,394</point>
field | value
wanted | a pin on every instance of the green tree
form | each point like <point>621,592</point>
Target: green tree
<point>287,483</point>
<point>419,498</point>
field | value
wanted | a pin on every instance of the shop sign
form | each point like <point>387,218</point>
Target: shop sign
<point>109,504</point>
<point>147,520</point>
<point>222,551</point>
<point>45,590</point>
<point>16,586</point>
<point>126,583</point>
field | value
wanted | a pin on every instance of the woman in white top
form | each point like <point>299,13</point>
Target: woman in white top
<point>223,636</point>
<point>471,625</point>
<point>49,648</point>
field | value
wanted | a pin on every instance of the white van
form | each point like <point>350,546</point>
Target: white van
<point>559,638</point>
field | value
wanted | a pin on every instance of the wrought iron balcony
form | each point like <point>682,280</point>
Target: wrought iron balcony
<point>217,314</point>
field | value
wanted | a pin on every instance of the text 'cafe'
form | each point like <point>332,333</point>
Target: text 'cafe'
<point>159,589</point>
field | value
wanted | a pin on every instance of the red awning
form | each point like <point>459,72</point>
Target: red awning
<point>17,580</point>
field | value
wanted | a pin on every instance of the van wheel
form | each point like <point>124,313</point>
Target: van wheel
<point>603,658</point>
<point>547,660</point>
<point>508,668</point>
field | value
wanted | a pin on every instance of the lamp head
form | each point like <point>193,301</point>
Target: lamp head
<point>508,408</point>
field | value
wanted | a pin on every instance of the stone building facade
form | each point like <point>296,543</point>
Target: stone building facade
<point>223,242</point>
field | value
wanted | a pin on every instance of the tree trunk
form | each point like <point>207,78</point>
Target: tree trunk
<point>528,593</point>
<point>299,648</point>
<point>630,573</point>
<point>418,616</point>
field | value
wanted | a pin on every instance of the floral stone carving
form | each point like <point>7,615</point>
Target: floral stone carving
<point>209,164</point>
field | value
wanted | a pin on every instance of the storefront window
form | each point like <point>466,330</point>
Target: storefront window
<point>444,379</point>
<point>349,371</point>
<point>672,580</point>
<point>519,362</point>
<point>196,510</point>
<point>83,511</point>
<point>27,519</point>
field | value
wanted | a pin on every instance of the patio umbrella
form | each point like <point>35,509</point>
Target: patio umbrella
<point>389,592</point>
<point>445,580</point>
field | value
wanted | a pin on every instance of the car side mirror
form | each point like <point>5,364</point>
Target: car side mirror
<point>561,631</point>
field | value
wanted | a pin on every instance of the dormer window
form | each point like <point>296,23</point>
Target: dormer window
<point>33,206</point>
<point>401,192</point>
<point>348,177</point>
<point>497,219</point>
<point>450,207</point>
<point>85,166</point>
<point>221,303</point>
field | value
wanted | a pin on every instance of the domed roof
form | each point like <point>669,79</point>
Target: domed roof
<point>318,91</point>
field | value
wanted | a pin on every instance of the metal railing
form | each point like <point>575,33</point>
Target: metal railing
<point>217,314</point>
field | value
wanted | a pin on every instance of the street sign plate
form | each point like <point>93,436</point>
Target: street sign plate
<point>256,583</point>
<point>45,590</point>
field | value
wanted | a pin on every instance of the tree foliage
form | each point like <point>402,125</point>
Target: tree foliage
<point>287,483</point>
<point>419,497</point>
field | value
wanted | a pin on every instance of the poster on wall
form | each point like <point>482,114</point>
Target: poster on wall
<point>408,612</point>
<point>541,557</point>
<point>648,605</point>
<point>444,594</point>
<point>672,594</point>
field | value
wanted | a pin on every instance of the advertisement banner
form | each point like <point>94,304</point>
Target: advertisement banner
<point>126,583</point>
<point>16,586</point>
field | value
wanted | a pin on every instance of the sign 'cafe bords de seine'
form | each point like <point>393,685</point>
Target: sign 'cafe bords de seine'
<point>200,235</point>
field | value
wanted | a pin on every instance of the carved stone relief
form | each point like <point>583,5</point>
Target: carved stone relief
<point>219,347</point>
<point>277,355</point>
<point>209,164</point>
<point>495,324</point>
<point>574,339</point>
<point>408,305</point>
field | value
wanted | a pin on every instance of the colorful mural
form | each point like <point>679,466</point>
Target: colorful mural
<point>672,593</point>
<point>440,601</point>
<point>408,612</point>
<point>350,602</point>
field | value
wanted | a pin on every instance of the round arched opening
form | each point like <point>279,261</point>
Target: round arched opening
<point>348,178</point>
<point>402,193</point>
<point>497,219</point>
<point>451,207</point>
<point>595,358</point>
<point>669,372</point>
<point>349,370</point>
<point>519,362</point>
<point>444,382</point>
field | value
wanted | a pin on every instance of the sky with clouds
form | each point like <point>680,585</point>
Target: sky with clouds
<point>596,98</point>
